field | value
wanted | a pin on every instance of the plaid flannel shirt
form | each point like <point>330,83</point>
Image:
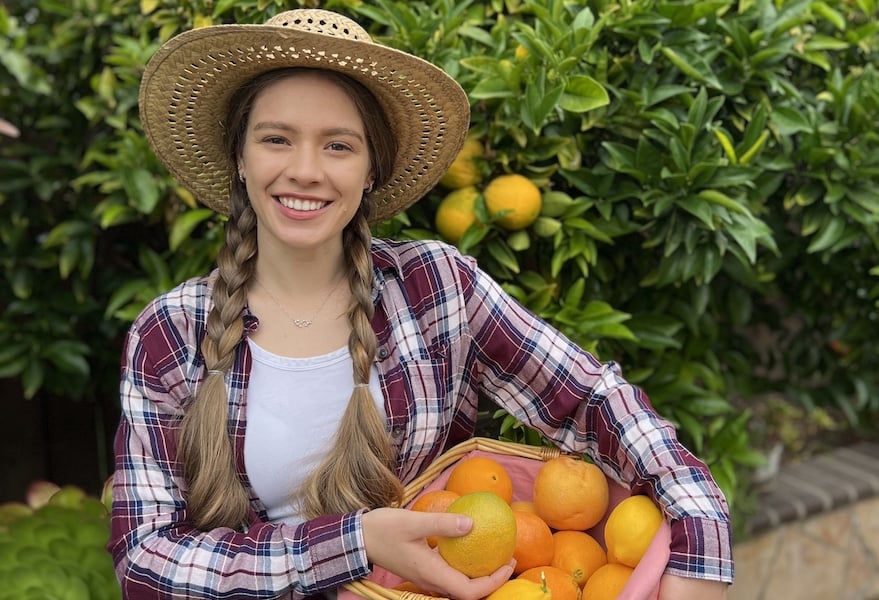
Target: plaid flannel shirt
<point>448,334</point>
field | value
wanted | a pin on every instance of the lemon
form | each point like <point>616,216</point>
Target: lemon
<point>516,194</point>
<point>456,213</point>
<point>465,169</point>
<point>521,589</point>
<point>489,544</point>
<point>630,529</point>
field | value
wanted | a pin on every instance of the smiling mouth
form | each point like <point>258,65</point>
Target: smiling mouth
<point>300,204</point>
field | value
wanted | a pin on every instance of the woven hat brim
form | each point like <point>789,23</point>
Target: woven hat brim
<point>186,87</point>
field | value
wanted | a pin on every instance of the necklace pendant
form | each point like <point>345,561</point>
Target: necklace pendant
<point>302,323</point>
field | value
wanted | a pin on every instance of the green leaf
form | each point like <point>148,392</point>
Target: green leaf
<point>502,253</point>
<point>494,87</point>
<point>184,225</point>
<point>789,121</point>
<point>140,186</point>
<point>823,10</point>
<point>68,356</point>
<point>830,233</point>
<point>582,94</point>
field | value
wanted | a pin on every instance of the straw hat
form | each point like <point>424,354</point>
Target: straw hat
<point>187,85</point>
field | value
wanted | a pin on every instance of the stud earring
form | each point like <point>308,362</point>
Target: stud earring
<point>241,177</point>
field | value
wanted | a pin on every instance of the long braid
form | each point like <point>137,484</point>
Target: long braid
<point>358,471</point>
<point>217,498</point>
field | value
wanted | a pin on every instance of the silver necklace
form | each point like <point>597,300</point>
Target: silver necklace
<point>300,323</point>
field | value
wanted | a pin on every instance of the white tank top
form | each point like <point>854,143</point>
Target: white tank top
<point>294,406</point>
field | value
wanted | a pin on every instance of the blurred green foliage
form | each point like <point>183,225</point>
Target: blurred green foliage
<point>55,548</point>
<point>710,179</point>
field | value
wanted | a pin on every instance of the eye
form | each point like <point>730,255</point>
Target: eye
<point>338,147</point>
<point>274,139</point>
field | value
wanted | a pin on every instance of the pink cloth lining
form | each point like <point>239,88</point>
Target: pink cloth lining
<point>644,583</point>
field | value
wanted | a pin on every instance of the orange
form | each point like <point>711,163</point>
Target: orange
<point>465,169</point>
<point>521,589</point>
<point>456,213</point>
<point>630,529</point>
<point>434,501</point>
<point>489,544</point>
<point>534,542</point>
<point>517,196</point>
<point>577,553</point>
<point>480,474</point>
<point>560,584</point>
<point>523,505</point>
<point>607,582</point>
<point>570,493</point>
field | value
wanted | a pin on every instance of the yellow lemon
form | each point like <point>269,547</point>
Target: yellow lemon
<point>630,529</point>
<point>514,193</point>
<point>521,589</point>
<point>489,544</point>
<point>465,169</point>
<point>456,213</point>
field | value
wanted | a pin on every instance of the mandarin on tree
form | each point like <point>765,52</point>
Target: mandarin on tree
<point>607,582</point>
<point>577,553</point>
<point>516,194</point>
<point>480,474</point>
<point>456,213</point>
<point>465,169</point>
<point>434,501</point>
<point>630,529</point>
<point>560,584</point>
<point>570,493</point>
<point>534,542</point>
<point>490,542</point>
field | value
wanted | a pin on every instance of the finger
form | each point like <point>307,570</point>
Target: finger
<point>457,585</point>
<point>442,524</point>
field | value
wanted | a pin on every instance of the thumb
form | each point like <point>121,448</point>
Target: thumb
<point>446,524</point>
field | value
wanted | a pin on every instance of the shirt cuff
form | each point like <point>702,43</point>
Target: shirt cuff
<point>336,552</point>
<point>701,548</point>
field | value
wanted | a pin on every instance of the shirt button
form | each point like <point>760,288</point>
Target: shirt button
<point>382,353</point>
<point>396,431</point>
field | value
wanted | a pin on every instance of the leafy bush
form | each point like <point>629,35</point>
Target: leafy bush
<point>709,174</point>
<point>55,546</point>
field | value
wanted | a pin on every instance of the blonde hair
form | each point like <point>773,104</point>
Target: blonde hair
<point>358,471</point>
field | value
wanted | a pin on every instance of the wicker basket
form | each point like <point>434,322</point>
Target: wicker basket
<point>373,591</point>
<point>647,586</point>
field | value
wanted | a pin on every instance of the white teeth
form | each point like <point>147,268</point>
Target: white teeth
<point>304,205</point>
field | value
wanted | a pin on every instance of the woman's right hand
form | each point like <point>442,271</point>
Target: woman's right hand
<point>395,540</point>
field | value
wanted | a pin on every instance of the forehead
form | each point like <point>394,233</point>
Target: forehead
<point>307,96</point>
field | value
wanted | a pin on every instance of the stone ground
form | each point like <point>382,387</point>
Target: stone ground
<point>816,533</point>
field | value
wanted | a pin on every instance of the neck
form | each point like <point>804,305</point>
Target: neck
<point>300,276</point>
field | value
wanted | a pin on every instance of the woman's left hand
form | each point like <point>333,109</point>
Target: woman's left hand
<point>672,587</point>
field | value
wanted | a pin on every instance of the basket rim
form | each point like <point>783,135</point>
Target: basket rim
<point>373,591</point>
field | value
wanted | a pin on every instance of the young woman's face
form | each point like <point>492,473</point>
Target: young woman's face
<point>305,162</point>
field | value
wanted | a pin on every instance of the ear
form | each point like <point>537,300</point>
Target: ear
<point>368,188</point>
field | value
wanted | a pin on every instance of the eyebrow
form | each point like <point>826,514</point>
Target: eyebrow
<point>333,131</point>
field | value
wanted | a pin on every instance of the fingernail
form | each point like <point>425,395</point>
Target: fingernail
<point>465,524</point>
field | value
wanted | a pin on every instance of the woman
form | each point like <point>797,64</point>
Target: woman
<point>273,410</point>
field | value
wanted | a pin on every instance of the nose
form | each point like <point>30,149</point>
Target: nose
<point>304,165</point>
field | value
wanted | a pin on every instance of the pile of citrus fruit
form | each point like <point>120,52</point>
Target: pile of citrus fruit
<point>511,199</point>
<point>546,534</point>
